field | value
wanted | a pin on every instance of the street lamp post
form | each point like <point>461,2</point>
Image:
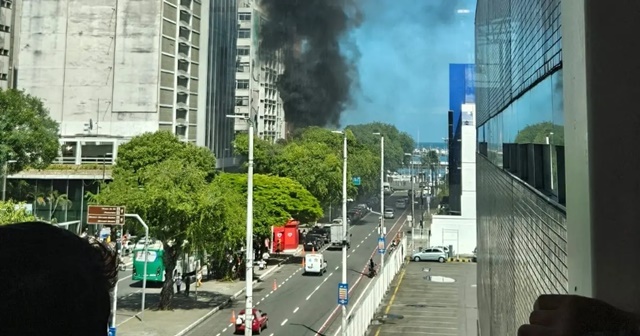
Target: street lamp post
<point>5,171</point>
<point>248,316</point>
<point>413,203</point>
<point>345,226</point>
<point>382,226</point>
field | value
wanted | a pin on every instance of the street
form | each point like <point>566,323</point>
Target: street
<point>130,294</point>
<point>307,305</point>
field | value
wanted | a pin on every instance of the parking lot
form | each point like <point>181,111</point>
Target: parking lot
<point>430,298</point>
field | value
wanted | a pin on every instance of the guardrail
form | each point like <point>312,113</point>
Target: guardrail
<point>366,306</point>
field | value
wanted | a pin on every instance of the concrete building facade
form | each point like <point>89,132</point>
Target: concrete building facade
<point>113,69</point>
<point>256,77</point>
<point>9,32</point>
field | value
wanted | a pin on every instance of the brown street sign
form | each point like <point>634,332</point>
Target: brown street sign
<point>105,215</point>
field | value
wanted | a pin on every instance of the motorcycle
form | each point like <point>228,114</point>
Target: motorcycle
<point>372,272</point>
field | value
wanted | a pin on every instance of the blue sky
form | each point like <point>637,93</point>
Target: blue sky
<point>405,47</point>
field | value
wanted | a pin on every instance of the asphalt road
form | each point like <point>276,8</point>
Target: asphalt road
<point>307,305</point>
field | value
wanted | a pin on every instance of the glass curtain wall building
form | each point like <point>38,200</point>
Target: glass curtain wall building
<point>522,234</point>
<point>221,78</point>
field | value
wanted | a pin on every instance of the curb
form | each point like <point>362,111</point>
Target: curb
<point>233,297</point>
<point>460,260</point>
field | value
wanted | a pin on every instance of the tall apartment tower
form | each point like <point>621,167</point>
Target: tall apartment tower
<point>257,73</point>
<point>9,28</point>
<point>117,68</point>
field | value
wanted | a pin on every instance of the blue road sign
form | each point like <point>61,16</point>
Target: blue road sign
<point>356,180</point>
<point>381,245</point>
<point>112,331</point>
<point>343,294</point>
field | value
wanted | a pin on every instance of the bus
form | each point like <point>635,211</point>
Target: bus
<point>155,262</point>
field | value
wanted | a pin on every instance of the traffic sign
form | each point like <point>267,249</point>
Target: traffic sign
<point>381,245</point>
<point>343,294</point>
<point>105,215</point>
<point>112,331</point>
<point>356,180</point>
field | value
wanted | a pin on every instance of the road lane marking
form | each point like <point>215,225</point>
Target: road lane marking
<point>296,310</point>
<point>337,267</point>
<point>218,334</point>
<point>224,330</point>
<point>230,325</point>
<point>331,316</point>
<point>393,297</point>
<point>283,322</point>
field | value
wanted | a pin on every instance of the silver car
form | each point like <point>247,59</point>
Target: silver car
<point>388,213</point>
<point>430,254</point>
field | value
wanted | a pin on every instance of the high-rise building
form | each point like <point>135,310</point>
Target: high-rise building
<point>258,71</point>
<point>219,99</point>
<point>9,30</point>
<point>522,232</point>
<point>109,70</point>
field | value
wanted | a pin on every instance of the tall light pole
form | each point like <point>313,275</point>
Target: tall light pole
<point>248,316</point>
<point>382,226</point>
<point>5,171</point>
<point>345,228</point>
<point>413,203</point>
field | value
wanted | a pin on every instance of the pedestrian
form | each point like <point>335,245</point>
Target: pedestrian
<point>199,277</point>
<point>187,284</point>
<point>178,281</point>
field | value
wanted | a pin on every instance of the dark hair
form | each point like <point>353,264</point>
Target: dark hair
<point>53,282</point>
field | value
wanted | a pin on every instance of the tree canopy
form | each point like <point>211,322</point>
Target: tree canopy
<point>29,135</point>
<point>538,133</point>
<point>11,213</point>
<point>275,200</point>
<point>313,157</point>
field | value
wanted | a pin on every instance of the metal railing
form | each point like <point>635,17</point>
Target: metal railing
<point>365,307</point>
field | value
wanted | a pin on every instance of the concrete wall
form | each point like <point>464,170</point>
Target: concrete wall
<point>454,230</point>
<point>71,51</point>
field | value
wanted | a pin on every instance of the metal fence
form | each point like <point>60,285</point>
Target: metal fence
<point>365,307</point>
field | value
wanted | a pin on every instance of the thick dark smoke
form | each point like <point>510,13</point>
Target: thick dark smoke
<point>317,80</point>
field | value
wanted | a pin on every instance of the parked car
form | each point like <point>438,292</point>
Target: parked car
<point>260,321</point>
<point>475,255</point>
<point>312,242</point>
<point>323,231</point>
<point>430,254</point>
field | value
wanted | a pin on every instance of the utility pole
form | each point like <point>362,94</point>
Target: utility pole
<point>345,229</point>
<point>382,226</point>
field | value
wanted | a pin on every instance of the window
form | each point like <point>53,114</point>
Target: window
<point>244,33</point>
<point>243,67</point>
<point>243,51</point>
<point>242,101</point>
<point>242,84</point>
<point>244,17</point>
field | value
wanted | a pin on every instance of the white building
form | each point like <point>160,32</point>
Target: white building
<point>256,76</point>
<point>460,231</point>
<point>109,70</point>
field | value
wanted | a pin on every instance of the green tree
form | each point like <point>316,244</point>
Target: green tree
<point>11,213</point>
<point>165,195</point>
<point>152,148</point>
<point>29,135</point>
<point>538,133</point>
<point>54,201</point>
<point>275,200</point>
<point>265,154</point>
<point>396,143</point>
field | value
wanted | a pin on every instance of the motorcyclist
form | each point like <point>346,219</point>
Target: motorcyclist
<point>372,267</point>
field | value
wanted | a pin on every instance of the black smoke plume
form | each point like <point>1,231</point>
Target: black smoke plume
<point>315,86</point>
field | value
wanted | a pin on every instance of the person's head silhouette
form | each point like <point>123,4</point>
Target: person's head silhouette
<point>53,282</point>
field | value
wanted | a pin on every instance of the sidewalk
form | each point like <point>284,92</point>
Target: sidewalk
<point>187,312</point>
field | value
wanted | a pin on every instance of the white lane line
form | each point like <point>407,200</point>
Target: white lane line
<point>349,256</point>
<point>271,334</point>
<point>358,246</point>
<point>362,242</point>
<point>230,325</point>
<point>224,330</point>
<point>266,296</point>
<point>295,310</point>
<point>337,267</point>
<point>283,322</point>
<point>218,334</point>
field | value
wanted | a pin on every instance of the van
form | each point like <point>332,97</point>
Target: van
<point>314,263</point>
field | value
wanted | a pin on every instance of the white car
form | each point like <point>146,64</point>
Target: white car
<point>388,213</point>
<point>430,254</point>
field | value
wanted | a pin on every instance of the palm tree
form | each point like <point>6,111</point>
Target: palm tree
<point>431,160</point>
<point>55,201</point>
